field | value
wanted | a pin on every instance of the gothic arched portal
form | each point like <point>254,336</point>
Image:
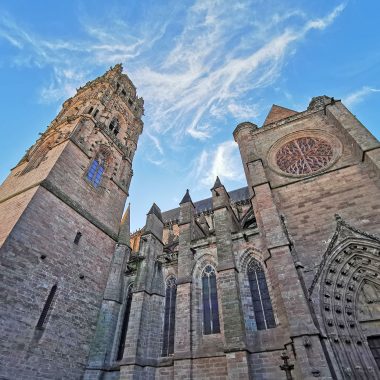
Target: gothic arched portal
<point>349,292</point>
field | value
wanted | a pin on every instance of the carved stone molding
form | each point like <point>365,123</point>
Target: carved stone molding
<point>351,261</point>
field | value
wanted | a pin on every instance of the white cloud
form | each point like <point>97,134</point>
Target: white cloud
<point>359,95</point>
<point>203,74</point>
<point>223,161</point>
<point>243,111</point>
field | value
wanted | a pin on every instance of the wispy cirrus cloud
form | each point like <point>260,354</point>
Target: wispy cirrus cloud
<point>194,79</point>
<point>359,95</point>
<point>210,69</point>
<point>223,161</point>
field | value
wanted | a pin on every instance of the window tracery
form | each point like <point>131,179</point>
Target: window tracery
<point>95,173</point>
<point>114,126</point>
<point>262,305</point>
<point>304,155</point>
<point>211,323</point>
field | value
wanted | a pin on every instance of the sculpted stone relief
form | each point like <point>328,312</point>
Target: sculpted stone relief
<point>348,281</point>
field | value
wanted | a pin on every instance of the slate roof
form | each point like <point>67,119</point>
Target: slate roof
<point>206,204</point>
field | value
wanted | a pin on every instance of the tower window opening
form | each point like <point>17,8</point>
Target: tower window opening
<point>124,327</point>
<point>124,93</point>
<point>77,237</point>
<point>90,110</point>
<point>262,305</point>
<point>45,310</point>
<point>114,126</point>
<point>96,172</point>
<point>169,321</point>
<point>130,102</point>
<point>96,112</point>
<point>210,302</point>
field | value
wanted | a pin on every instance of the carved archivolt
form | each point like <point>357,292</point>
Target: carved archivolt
<point>351,262</point>
<point>247,256</point>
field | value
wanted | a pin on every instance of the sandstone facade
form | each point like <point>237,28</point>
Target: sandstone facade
<point>279,279</point>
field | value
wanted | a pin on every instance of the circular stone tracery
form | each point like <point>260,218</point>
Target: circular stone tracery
<point>304,155</point>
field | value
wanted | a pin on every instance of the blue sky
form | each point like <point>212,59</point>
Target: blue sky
<point>201,66</point>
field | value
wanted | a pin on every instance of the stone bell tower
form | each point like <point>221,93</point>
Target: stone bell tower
<point>60,212</point>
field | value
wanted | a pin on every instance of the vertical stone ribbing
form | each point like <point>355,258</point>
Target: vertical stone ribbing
<point>142,343</point>
<point>183,330</point>
<point>101,347</point>
<point>104,339</point>
<point>228,285</point>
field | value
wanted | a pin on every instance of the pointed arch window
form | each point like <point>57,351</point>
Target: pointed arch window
<point>169,321</point>
<point>262,305</point>
<point>96,171</point>
<point>210,301</point>
<point>114,126</point>
<point>124,327</point>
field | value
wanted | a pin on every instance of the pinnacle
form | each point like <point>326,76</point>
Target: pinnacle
<point>155,210</point>
<point>124,232</point>
<point>217,183</point>
<point>186,198</point>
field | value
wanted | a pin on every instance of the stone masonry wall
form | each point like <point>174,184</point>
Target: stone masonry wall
<point>48,227</point>
<point>309,207</point>
<point>11,211</point>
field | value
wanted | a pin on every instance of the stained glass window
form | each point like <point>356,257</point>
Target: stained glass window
<point>124,327</point>
<point>262,305</point>
<point>96,171</point>
<point>210,301</point>
<point>169,321</point>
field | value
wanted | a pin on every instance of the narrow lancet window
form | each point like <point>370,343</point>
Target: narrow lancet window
<point>114,126</point>
<point>124,327</point>
<point>262,305</point>
<point>210,301</point>
<point>45,310</point>
<point>169,321</point>
<point>96,171</point>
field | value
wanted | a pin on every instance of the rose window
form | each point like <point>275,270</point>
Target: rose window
<point>304,155</point>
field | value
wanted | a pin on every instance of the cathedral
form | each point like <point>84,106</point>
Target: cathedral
<point>276,280</point>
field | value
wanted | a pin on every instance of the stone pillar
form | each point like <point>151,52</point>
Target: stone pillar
<point>102,344</point>
<point>228,286</point>
<point>302,330</point>
<point>183,328</point>
<point>142,342</point>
